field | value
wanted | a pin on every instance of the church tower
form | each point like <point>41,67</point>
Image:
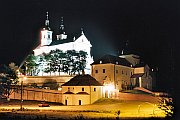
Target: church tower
<point>46,33</point>
<point>62,34</point>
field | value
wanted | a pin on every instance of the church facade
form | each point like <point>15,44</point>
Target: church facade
<point>63,42</point>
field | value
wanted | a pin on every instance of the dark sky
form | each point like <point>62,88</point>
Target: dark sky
<point>150,26</point>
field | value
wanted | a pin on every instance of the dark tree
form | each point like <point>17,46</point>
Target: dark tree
<point>8,79</point>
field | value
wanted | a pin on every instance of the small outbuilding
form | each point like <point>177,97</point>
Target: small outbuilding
<point>81,90</point>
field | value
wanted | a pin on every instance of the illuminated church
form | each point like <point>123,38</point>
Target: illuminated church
<point>63,42</point>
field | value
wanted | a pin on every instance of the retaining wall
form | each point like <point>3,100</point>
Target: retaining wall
<point>38,94</point>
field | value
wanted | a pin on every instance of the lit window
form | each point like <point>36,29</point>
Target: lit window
<point>96,71</point>
<point>82,89</point>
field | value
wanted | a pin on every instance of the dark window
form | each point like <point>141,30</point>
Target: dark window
<point>68,89</point>
<point>116,71</point>
<point>122,72</point>
<point>82,89</point>
<point>104,70</point>
<point>79,102</point>
<point>96,71</point>
<point>65,102</point>
<point>94,89</point>
<point>48,36</point>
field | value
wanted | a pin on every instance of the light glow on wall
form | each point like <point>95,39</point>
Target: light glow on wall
<point>108,90</point>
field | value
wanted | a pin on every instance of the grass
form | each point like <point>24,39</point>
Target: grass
<point>103,108</point>
<point>107,101</point>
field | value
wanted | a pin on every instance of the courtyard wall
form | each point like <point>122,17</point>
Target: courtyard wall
<point>38,94</point>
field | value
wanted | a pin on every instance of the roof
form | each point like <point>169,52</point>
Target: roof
<point>46,28</point>
<point>82,80</point>
<point>68,92</point>
<point>69,39</point>
<point>141,64</point>
<point>137,75</point>
<point>83,93</point>
<point>57,42</point>
<point>112,59</point>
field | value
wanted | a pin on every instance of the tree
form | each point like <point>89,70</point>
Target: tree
<point>50,60</point>
<point>69,62</point>
<point>82,60</point>
<point>57,58</point>
<point>31,65</point>
<point>166,104</point>
<point>8,79</point>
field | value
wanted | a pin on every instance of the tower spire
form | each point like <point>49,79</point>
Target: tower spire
<point>62,34</point>
<point>62,26</point>
<point>82,33</point>
<point>47,15</point>
<point>47,20</point>
<point>125,49</point>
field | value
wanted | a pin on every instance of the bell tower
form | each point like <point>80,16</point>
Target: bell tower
<point>62,34</point>
<point>46,33</point>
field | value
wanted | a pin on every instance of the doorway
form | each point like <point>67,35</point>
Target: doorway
<point>79,102</point>
<point>65,102</point>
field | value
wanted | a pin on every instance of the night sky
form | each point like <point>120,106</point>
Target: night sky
<point>150,26</point>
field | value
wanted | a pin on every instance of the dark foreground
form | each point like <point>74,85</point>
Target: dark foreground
<point>28,116</point>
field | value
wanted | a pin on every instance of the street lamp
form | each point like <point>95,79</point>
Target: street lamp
<point>22,93</point>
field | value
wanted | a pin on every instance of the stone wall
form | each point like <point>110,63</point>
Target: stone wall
<point>38,94</point>
<point>39,80</point>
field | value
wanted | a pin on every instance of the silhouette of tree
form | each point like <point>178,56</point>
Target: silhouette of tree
<point>8,78</point>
